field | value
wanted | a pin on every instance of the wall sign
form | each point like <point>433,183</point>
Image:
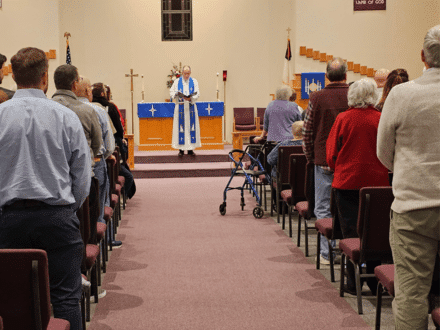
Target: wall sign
<point>370,5</point>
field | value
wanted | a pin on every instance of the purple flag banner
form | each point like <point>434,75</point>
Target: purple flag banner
<point>370,5</point>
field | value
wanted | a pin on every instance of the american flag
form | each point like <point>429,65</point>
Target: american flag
<point>286,71</point>
<point>68,58</point>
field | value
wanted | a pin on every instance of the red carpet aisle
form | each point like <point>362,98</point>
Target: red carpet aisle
<point>184,266</point>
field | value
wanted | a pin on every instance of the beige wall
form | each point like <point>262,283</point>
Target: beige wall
<point>389,39</point>
<point>110,37</point>
<point>29,23</point>
<point>246,38</point>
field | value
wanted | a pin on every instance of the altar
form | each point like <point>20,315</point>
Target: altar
<point>156,125</point>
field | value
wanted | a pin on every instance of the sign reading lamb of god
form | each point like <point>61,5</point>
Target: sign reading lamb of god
<point>370,5</point>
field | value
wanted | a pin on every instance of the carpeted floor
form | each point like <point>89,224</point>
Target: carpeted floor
<point>184,266</point>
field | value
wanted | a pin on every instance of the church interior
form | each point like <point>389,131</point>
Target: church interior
<point>182,264</point>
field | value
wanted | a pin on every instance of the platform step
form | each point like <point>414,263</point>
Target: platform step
<point>176,170</point>
<point>162,159</point>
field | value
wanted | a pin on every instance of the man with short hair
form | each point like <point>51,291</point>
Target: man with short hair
<point>67,82</point>
<point>186,127</point>
<point>46,178</point>
<point>380,77</point>
<point>408,145</point>
<point>3,60</point>
<point>324,106</point>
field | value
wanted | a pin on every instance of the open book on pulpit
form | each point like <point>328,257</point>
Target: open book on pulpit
<point>180,94</point>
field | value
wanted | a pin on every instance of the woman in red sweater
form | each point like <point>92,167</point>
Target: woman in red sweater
<point>351,153</point>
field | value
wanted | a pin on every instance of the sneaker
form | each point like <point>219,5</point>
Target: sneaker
<point>85,282</point>
<point>324,261</point>
<point>101,295</point>
<point>116,244</point>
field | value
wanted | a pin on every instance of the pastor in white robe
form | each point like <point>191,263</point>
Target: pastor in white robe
<point>175,140</point>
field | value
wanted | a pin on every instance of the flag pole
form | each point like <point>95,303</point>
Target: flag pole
<point>68,57</point>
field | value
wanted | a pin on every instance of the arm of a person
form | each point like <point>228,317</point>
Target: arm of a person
<point>308,143</point>
<point>79,163</point>
<point>113,113</point>
<point>332,145</point>
<point>95,133</point>
<point>386,132</point>
<point>272,158</point>
<point>196,89</point>
<point>173,89</point>
<point>265,128</point>
<point>109,139</point>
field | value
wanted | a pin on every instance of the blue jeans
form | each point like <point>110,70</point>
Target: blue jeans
<point>100,171</point>
<point>323,186</point>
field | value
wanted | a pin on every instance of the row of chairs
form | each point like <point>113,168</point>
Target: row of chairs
<point>293,188</point>
<point>25,302</point>
<point>245,120</point>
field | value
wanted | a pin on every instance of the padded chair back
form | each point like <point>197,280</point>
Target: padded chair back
<point>283,164</point>
<point>244,116</point>
<point>297,177</point>
<point>309,189</point>
<point>24,287</point>
<point>374,222</point>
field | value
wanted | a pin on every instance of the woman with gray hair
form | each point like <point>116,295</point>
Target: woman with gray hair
<point>279,116</point>
<point>351,154</point>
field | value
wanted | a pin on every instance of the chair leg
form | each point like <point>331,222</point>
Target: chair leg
<point>358,287</point>
<point>290,220</point>
<point>332,261</point>
<point>271,201</point>
<point>265,201</point>
<point>278,205</point>
<point>378,304</point>
<point>342,280</point>
<point>318,250</point>
<point>283,206</point>
<point>98,268</point>
<point>83,309</point>
<point>306,237</point>
<point>298,241</point>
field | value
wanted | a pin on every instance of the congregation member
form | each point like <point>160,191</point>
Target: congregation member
<point>100,96</point>
<point>408,144</point>
<point>380,77</point>
<point>3,97</point>
<point>279,116</point>
<point>272,157</point>
<point>3,60</point>
<point>395,77</point>
<point>47,162</point>
<point>109,96</point>
<point>186,126</point>
<point>351,154</point>
<point>84,94</point>
<point>66,79</point>
<point>292,98</point>
<point>324,106</point>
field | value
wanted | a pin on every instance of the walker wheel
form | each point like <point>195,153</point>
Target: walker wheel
<point>222,208</point>
<point>258,212</point>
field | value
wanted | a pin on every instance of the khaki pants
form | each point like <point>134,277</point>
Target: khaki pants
<point>414,239</point>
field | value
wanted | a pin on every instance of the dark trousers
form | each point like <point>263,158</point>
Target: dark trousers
<point>347,202</point>
<point>54,229</point>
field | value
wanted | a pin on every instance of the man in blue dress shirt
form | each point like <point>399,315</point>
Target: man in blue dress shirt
<point>45,177</point>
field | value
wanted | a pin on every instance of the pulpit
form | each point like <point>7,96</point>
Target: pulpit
<point>156,125</point>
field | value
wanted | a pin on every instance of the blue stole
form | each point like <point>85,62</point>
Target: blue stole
<point>192,117</point>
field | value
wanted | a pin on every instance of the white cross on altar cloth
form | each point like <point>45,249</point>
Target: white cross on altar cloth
<point>152,111</point>
<point>209,109</point>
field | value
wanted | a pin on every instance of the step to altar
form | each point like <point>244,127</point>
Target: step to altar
<point>168,164</point>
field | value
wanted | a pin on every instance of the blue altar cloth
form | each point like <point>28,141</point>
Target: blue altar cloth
<point>166,109</point>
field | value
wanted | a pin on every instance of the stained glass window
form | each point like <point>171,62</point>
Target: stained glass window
<point>176,20</point>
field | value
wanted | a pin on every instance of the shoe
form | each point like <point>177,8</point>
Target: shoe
<point>181,153</point>
<point>101,295</point>
<point>85,282</point>
<point>116,244</point>
<point>324,261</point>
<point>349,289</point>
<point>191,153</point>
